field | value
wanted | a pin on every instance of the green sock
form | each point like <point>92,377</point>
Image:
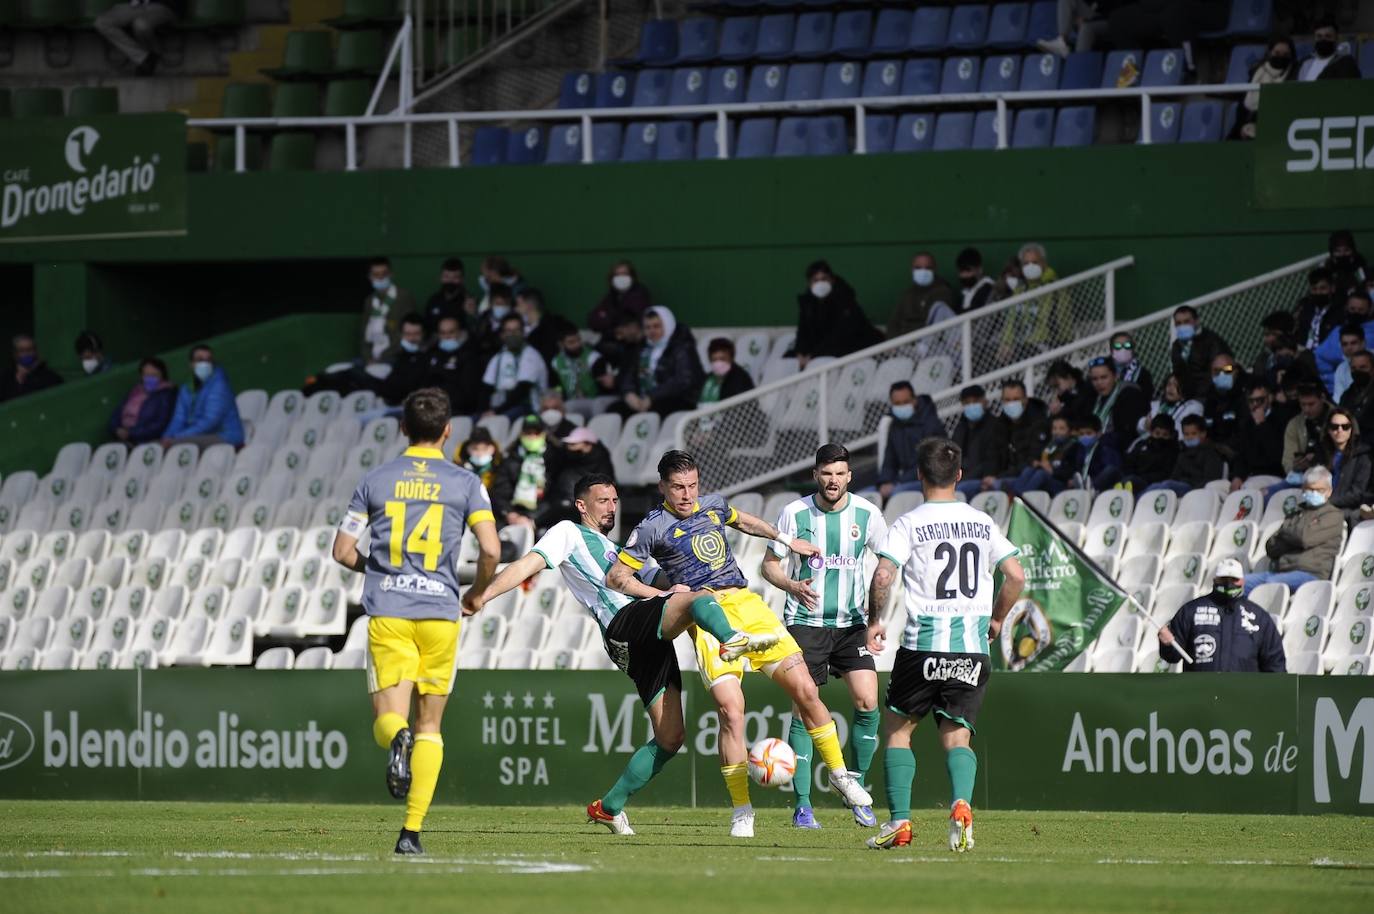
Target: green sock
<point>963,768</point>
<point>710,615</point>
<point>647,762</point>
<point>863,740</point>
<point>800,741</point>
<point>899,770</point>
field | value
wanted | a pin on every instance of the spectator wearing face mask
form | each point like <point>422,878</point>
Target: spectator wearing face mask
<point>1193,350</point>
<point>1318,312</point>
<point>497,271</point>
<point>410,365</point>
<point>1129,368</point>
<point>1222,632</point>
<point>669,376</point>
<point>1096,465</point>
<point>926,302</point>
<point>451,299</point>
<point>1224,405</point>
<point>1072,396</point>
<point>1119,406</point>
<point>554,413</point>
<point>1359,397</point>
<point>914,419</point>
<point>578,454</point>
<point>1330,354</point>
<point>30,373</point>
<point>1010,281</point>
<point>543,331</point>
<point>1275,328</point>
<point>618,372</point>
<point>1041,323</point>
<point>147,408</point>
<point>983,439</point>
<point>830,321</point>
<point>1151,457</point>
<point>726,378</point>
<point>206,413</point>
<point>1351,337</point>
<point>480,455</point>
<point>1278,66</point>
<point>1028,429</point>
<point>519,484</point>
<point>575,371</point>
<point>1054,469</point>
<point>1172,405</point>
<point>1346,263</point>
<point>382,311</point>
<point>516,374</point>
<point>500,305</point>
<point>1327,61</point>
<point>455,366</point>
<point>1305,546</point>
<point>975,288</point>
<point>90,351</point>
<point>1199,462</point>
<point>1258,444</point>
<point>626,298</point>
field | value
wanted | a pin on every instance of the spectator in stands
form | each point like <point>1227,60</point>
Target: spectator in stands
<point>147,408</point>
<point>617,370</point>
<point>580,453</point>
<point>1198,463</point>
<point>1072,396</point>
<point>1347,266</point>
<point>1097,462</point>
<point>830,320</point>
<point>670,375</point>
<point>1193,351</point>
<point>500,302</point>
<point>1175,23</point>
<point>1171,403</point>
<point>455,366</point>
<point>627,297</point>
<point>554,412</point>
<point>976,288</point>
<point>1224,404</point>
<point>983,439</point>
<point>1053,471</point>
<point>91,353</point>
<point>1278,65</point>
<point>1129,368</point>
<point>1348,459</point>
<point>518,485</point>
<point>543,331</point>
<point>480,455</point>
<point>1119,407</point>
<point>132,28</point>
<point>1326,61</point>
<point>497,271</point>
<point>30,373</point>
<point>1010,281</point>
<point>1304,434</point>
<point>1275,328</point>
<point>574,371</point>
<point>1083,17</point>
<point>1223,632</point>
<point>206,413</point>
<point>1305,546</point>
<point>1352,343</point>
<point>1328,356</point>
<point>726,378</point>
<point>1285,371</point>
<point>926,302</point>
<point>1258,444</point>
<point>382,311</point>
<point>914,419</point>
<point>410,364</point>
<point>1028,429</point>
<point>451,299</point>
<point>1042,324</point>
<point>1318,312</point>
<point>1150,459</point>
<point>1359,396</point>
<point>516,375</point>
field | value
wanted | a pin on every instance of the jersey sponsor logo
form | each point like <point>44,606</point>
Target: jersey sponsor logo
<point>678,532</point>
<point>833,562</point>
<point>710,549</point>
<point>1204,648</point>
<point>942,669</point>
<point>1206,615</point>
<point>413,583</point>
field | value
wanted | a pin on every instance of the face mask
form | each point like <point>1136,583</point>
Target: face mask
<point>903,412</point>
<point>1359,378</point>
<point>552,417</point>
<point>1121,356</point>
<point>500,311</point>
<point>28,361</point>
<point>451,289</point>
<point>1226,593</point>
<point>1343,261</point>
<point>820,289</point>
<point>1087,440</point>
<point>720,368</point>
<point>1014,409</point>
<point>481,461</point>
<point>973,411</point>
<point>533,444</point>
<point>1060,440</point>
<point>486,285</point>
<point>151,382</point>
<point>203,370</point>
<point>1185,331</point>
<point>1013,282</point>
<point>922,277</point>
<point>449,345</point>
<point>1324,48</point>
<point>90,365</point>
<point>513,343</point>
<point>408,346</point>
<point>1313,499</point>
<point>968,282</point>
<point>1223,381</point>
<point>573,354</point>
<point>1280,63</point>
<point>1191,442</point>
<point>381,285</point>
<point>1032,271</point>
<point>621,283</point>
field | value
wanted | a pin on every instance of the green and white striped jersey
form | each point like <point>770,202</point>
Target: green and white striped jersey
<point>947,551</point>
<point>583,556</point>
<point>841,580</point>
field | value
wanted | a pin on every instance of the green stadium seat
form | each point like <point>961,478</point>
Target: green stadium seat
<point>197,157</point>
<point>367,14</point>
<point>361,53</point>
<point>308,54</point>
<point>45,102</point>
<point>252,152</point>
<point>346,97</point>
<point>296,100</point>
<point>90,101</point>
<point>293,151</point>
<point>47,14</point>
<point>246,100</point>
<point>211,14</point>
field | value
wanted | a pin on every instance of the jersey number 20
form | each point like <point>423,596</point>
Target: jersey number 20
<point>965,561</point>
<point>425,540</point>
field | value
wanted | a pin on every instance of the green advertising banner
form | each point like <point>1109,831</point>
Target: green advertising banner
<point>1066,603</point>
<point>73,179</point>
<point>1199,743</point>
<point>1314,145</point>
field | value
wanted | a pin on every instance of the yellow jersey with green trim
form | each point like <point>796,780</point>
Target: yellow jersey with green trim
<point>691,550</point>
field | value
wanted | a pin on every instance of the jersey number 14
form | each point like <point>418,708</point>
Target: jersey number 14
<point>425,540</point>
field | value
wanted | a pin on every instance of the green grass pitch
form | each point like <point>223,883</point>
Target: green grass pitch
<point>87,857</point>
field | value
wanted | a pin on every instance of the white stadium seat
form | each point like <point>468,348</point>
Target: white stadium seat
<point>315,658</point>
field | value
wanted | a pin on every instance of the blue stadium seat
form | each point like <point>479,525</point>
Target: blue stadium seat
<point>1163,67</point>
<point>708,139</point>
<point>791,140</point>
<point>921,76</point>
<point>1249,19</point>
<point>1367,58</point>
<point>696,40</point>
<point>960,75</point>
<point>613,90</point>
<point>803,82</point>
<point>739,35</point>
<point>826,136</point>
<point>674,141</point>
<point>565,145</point>
<point>1115,73</point>
<point>525,147</point>
<point>651,88</point>
<point>605,142</point>
<point>891,32</point>
<point>929,28</point>
<point>688,86</point>
<point>1040,72</point>
<point>489,146</point>
<point>878,132</point>
<point>1000,74</point>
<point>1043,21</point>
<point>726,85</point>
<point>1074,126</point>
<point>1244,58</point>
<point>882,77</point>
<point>853,33</point>
<point>576,91</point>
<point>1007,25</point>
<point>968,26</point>
<point>953,130</point>
<point>842,79</point>
<point>757,137</point>
<point>1203,122</point>
<point>1082,70</point>
<point>1033,129</point>
<point>914,133</point>
<point>775,36</point>
<point>985,130</point>
<point>812,36</point>
<point>1165,120</point>
<point>767,81</point>
<point>640,139</point>
<point>657,42</point>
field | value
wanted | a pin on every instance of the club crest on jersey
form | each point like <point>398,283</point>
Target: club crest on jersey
<point>710,549</point>
<point>715,518</point>
<point>854,531</point>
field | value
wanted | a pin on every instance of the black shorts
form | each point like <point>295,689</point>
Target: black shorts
<point>951,685</point>
<point>633,644</point>
<point>833,651</point>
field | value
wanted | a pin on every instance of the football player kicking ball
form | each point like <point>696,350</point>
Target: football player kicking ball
<point>947,552</point>
<point>638,626</point>
<point>416,507</point>
<point>686,536</point>
<point>825,611</point>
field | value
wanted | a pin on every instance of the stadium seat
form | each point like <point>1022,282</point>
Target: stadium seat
<point>1244,59</point>
<point>613,90</point>
<point>94,101</point>
<point>674,141</point>
<point>852,33</point>
<point>921,76</point>
<point>775,37</point>
<point>739,36</point>
<point>881,77</point>
<point>565,146</point>
<point>315,658</point>
<point>767,82</point>
<point>960,75</point>
<point>1082,70</point>
<point>891,31</point>
<point>1007,24</point>
<point>1163,67</point>
<point>276,658</point>
<point>1204,122</point>
<point>968,26</point>
<point>812,36</point>
<point>1165,120</point>
<point>929,29</point>
<point>757,138</point>
<point>1121,70</point>
<point>803,82</point>
<point>657,42</point>
<point>708,139</point>
<point>575,91</point>
<point>985,132</point>
<point>725,86</point>
<point>606,142</point>
<point>1000,74</point>
<point>879,130</point>
<point>688,86</point>
<point>350,659</point>
<point>1074,126</point>
<point>696,40</point>
<point>842,80</point>
<point>651,89</point>
<point>640,140</point>
<point>1248,19</point>
<point>1033,128</point>
<point>791,136</point>
<point>1366,62</point>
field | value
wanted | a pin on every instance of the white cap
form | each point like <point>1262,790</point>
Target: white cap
<point>1230,568</point>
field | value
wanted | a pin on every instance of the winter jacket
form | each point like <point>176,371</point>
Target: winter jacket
<point>1026,437</point>
<point>1198,465</point>
<point>1308,540</point>
<point>1224,412</point>
<point>1225,636</point>
<point>976,295</point>
<point>1328,354</point>
<point>615,307</point>
<point>678,376</point>
<point>1120,421</point>
<point>211,410</point>
<point>735,382</point>
<point>1192,361</point>
<point>459,374</point>
<point>922,306</point>
<point>409,372</point>
<point>39,377</point>
<point>1317,318</point>
<point>1302,437</point>
<point>835,325</point>
<point>547,336</point>
<point>153,415</point>
<point>899,458</point>
<point>1259,448</point>
<point>984,444</point>
<point>1102,458</point>
<point>1351,486</point>
<point>1151,459</point>
<point>1040,323</point>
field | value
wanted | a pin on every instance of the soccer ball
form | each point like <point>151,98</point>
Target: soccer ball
<point>772,763</point>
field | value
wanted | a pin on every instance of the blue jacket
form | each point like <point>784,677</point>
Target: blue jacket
<point>209,411</point>
<point>1328,353</point>
<point>153,416</point>
<point>899,460</point>
<point>1225,636</point>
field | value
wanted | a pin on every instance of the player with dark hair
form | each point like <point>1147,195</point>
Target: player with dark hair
<point>416,507</point>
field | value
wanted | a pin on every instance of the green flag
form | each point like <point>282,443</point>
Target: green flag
<point>1065,605</point>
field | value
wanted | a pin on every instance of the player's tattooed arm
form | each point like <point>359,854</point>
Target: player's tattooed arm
<point>1013,582</point>
<point>621,577</point>
<point>757,526</point>
<point>879,591</point>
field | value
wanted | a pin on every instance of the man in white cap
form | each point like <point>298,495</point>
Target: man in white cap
<point>1223,631</point>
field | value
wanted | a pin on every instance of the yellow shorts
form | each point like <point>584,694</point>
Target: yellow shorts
<point>747,612</point>
<point>422,651</point>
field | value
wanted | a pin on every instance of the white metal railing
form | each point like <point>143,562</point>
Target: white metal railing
<point>774,429</point>
<point>586,117</point>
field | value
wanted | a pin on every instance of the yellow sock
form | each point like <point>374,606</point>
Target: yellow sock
<point>737,782</point>
<point>828,745</point>
<point>425,762</point>
<point>385,728</point>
